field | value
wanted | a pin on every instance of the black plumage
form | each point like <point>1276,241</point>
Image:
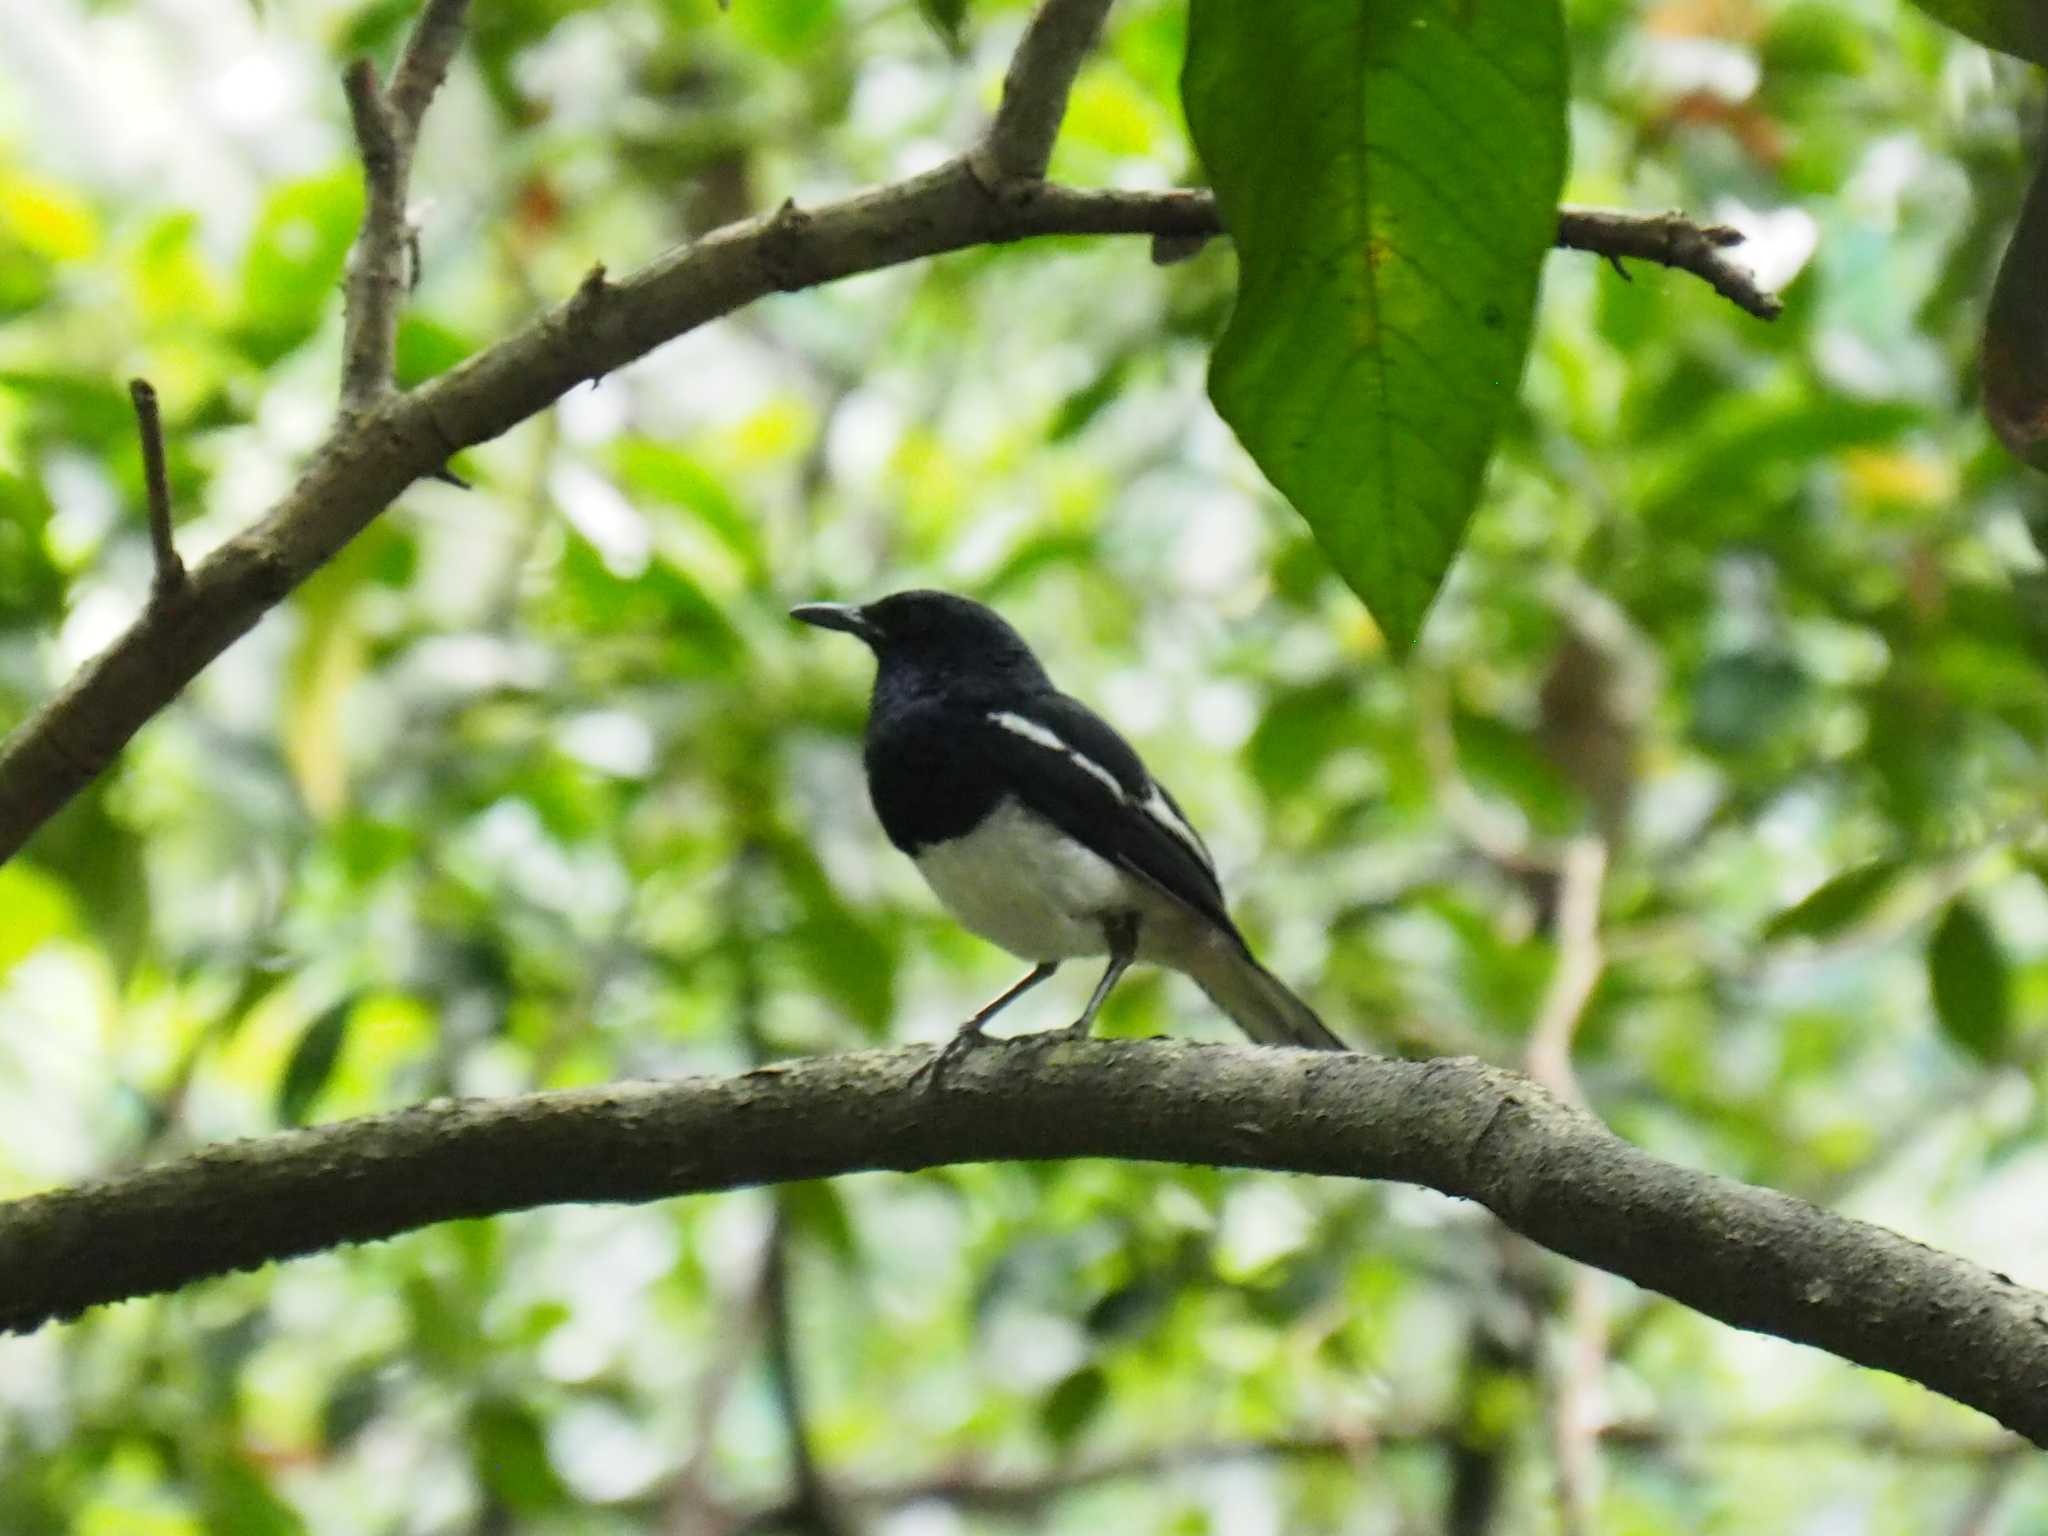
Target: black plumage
<point>1034,821</point>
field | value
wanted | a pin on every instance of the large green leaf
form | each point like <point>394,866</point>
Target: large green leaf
<point>2018,27</point>
<point>1389,171</point>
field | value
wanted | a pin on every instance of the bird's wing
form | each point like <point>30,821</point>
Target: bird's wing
<point>1067,763</point>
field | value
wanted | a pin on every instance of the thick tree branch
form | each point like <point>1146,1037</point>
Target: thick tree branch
<point>394,440</point>
<point>387,127</point>
<point>1018,144</point>
<point>1751,1257</point>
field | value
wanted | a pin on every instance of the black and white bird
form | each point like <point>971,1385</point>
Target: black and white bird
<point>1035,823</point>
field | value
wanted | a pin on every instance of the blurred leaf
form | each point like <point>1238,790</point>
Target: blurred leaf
<point>45,219</point>
<point>1971,982</point>
<point>2016,325</point>
<point>509,1452</point>
<point>816,1210</point>
<point>2018,27</point>
<point>945,18</point>
<point>1836,903</point>
<point>787,27</point>
<point>352,1405</point>
<point>427,349</point>
<point>853,966</point>
<point>33,908</point>
<point>1741,700</point>
<point>653,469</point>
<point>661,601</point>
<point>293,265</point>
<point>101,858</point>
<point>1301,729</point>
<point>1500,758</point>
<point>1089,401</point>
<point>1073,1404</point>
<point>170,273</point>
<point>312,1061</point>
<point>327,660</point>
<point>1390,171</point>
<point>234,1497</point>
<point>374,27</point>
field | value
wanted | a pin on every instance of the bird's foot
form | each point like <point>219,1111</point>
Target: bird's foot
<point>946,1057</point>
<point>1082,1028</point>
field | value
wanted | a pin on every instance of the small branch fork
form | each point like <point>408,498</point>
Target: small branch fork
<point>169,582</point>
<point>387,127</point>
<point>1018,144</point>
<point>993,194</point>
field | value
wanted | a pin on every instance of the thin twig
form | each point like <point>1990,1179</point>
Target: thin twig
<point>812,1504</point>
<point>170,570</point>
<point>387,126</point>
<point>688,1509</point>
<point>1018,144</point>
<point>1670,240</point>
<point>1979,1514</point>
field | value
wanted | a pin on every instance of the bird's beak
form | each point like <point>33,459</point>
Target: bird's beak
<point>834,616</point>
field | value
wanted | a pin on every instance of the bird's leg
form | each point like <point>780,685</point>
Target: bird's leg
<point>1122,933</point>
<point>970,1035</point>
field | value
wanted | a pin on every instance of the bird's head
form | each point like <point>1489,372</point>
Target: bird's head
<point>937,637</point>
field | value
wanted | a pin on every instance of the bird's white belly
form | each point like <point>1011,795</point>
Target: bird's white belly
<point>1020,882</point>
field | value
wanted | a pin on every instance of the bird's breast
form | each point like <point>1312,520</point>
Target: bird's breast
<point>1020,882</point>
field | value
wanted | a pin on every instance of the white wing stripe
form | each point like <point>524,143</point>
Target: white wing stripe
<point>1160,810</point>
<point>1039,736</point>
<point>1154,805</point>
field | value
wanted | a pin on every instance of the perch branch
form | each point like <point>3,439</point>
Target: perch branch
<point>1750,1257</point>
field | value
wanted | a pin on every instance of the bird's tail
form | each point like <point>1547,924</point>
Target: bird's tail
<point>1259,1001</point>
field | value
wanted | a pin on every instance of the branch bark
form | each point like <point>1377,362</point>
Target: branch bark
<point>1018,144</point>
<point>1750,1257</point>
<point>387,127</point>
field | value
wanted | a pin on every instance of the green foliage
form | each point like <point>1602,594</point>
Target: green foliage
<point>537,786</point>
<point>1971,983</point>
<point>1389,175</point>
<point>293,262</point>
<point>1837,903</point>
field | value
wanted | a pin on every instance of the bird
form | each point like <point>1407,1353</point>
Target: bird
<point>1036,825</point>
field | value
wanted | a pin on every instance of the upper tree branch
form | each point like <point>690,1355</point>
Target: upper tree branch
<point>1018,144</point>
<point>375,453</point>
<point>1751,1257</point>
<point>387,127</point>
<point>1670,240</point>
